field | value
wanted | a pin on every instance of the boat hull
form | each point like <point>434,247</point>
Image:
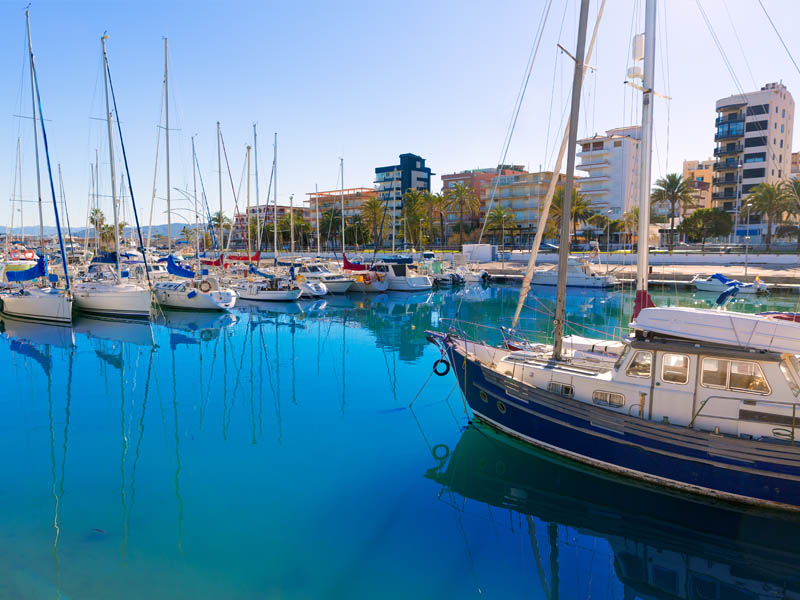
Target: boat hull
<point>550,277</point>
<point>263,295</point>
<point>410,284</point>
<point>39,305</point>
<point>194,299</point>
<point>718,288</point>
<point>121,300</point>
<point>722,467</point>
<point>371,287</point>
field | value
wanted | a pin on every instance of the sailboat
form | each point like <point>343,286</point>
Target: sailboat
<point>105,290</point>
<point>701,401</point>
<point>45,302</point>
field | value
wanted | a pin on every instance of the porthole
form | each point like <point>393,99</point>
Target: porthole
<point>501,407</point>
<point>483,396</point>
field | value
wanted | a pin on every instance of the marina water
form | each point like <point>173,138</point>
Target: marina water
<point>271,453</point>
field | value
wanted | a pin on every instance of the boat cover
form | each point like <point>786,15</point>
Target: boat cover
<point>174,268</point>
<point>37,270</point>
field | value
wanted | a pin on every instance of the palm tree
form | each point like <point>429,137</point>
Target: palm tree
<point>772,201</point>
<point>678,193</point>
<point>441,208</point>
<point>579,209</point>
<point>429,202</point>
<point>372,211</point>
<point>464,199</point>
<point>221,223</point>
<point>498,219</point>
<point>301,227</point>
<point>331,224</point>
<point>97,219</point>
<point>412,213</point>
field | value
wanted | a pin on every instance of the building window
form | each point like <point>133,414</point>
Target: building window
<point>608,398</point>
<point>779,174</point>
<point>675,368</point>
<point>617,144</point>
<point>755,141</point>
<point>780,158</point>
<point>782,130</point>
<point>751,173</point>
<point>597,146</point>
<point>783,113</point>
<point>781,143</point>
<point>758,109</point>
<point>641,364</point>
<point>756,126</point>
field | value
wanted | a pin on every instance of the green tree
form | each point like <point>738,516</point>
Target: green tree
<point>429,202</point>
<point>331,225</point>
<point>222,224</point>
<point>705,223</point>
<point>355,231</point>
<point>441,208</point>
<point>372,211</point>
<point>301,227</point>
<point>97,219</point>
<point>580,211</point>
<point>463,199</point>
<point>413,211</point>
<point>500,219</point>
<point>772,201</point>
<point>676,192</point>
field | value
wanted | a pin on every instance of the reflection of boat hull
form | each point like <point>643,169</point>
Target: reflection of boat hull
<point>39,304</point>
<point>52,334</point>
<point>132,331</point>
<point>189,298</point>
<point>662,454</point>
<point>112,299</point>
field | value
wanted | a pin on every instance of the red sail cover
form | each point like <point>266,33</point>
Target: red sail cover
<point>254,257</point>
<point>351,266</point>
<point>212,263</point>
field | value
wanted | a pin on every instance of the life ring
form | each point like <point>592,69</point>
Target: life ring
<point>29,255</point>
<point>13,255</point>
<point>204,286</point>
<point>367,278</point>
<point>440,452</point>
<point>593,254</point>
<point>301,278</point>
<point>436,370</point>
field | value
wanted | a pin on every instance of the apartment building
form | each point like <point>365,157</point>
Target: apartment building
<point>611,162</point>
<point>753,145</point>
<point>353,198</point>
<point>702,171</point>
<point>481,181</point>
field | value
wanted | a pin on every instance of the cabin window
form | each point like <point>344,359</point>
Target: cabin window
<point>641,364</point>
<point>738,375</point>
<point>675,368</point>
<point>787,374</point>
<point>562,389</point>
<point>608,398</point>
<point>748,377</point>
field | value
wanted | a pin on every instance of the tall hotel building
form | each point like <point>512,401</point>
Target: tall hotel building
<point>753,145</point>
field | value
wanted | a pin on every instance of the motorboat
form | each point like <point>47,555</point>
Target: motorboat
<point>403,278</point>
<point>472,276</point>
<point>102,292</point>
<point>579,274</point>
<point>319,273</point>
<point>718,283</point>
<point>194,294</point>
<point>369,282</point>
<point>275,289</point>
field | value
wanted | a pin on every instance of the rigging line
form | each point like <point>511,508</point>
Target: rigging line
<point>553,86</point>
<point>738,41</point>
<point>780,37</point>
<point>721,50</point>
<point>517,108</point>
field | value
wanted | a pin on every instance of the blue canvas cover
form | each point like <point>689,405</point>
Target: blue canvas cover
<point>174,268</point>
<point>37,270</point>
<point>253,271</point>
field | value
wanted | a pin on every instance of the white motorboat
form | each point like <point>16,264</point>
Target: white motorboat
<point>402,278</point>
<point>579,274</point>
<point>102,293</point>
<point>312,289</point>
<point>39,303</point>
<point>368,282</point>
<point>192,294</point>
<point>472,276</point>
<point>319,273</point>
<point>718,283</point>
<point>275,289</point>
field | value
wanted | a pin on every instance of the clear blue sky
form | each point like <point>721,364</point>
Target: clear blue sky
<point>362,80</point>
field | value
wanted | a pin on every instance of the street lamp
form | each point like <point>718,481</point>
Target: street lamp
<point>738,200</point>
<point>748,206</point>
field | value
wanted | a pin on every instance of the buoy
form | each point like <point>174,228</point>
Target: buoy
<point>446,367</point>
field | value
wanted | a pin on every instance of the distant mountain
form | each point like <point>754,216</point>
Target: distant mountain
<point>33,230</point>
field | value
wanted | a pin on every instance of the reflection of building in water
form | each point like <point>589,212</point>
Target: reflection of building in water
<point>664,546</point>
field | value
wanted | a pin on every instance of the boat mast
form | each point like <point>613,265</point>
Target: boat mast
<point>258,204</point>
<point>196,224</point>
<point>643,299</point>
<point>166,143</point>
<point>316,189</point>
<point>563,249</point>
<point>35,132</point>
<point>97,195</point>
<point>275,199</point>
<point>109,117</point>
<point>341,177</point>
<point>17,166</point>
<point>291,222</point>
<point>247,211</point>
<point>219,173</point>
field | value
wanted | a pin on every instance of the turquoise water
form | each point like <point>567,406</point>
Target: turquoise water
<point>271,453</point>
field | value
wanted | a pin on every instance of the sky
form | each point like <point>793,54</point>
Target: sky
<point>364,81</point>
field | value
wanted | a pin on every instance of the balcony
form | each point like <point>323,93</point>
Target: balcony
<point>718,196</point>
<point>592,164</point>
<point>724,165</point>
<point>592,153</point>
<point>737,149</point>
<point>725,181</point>
<point>728,136</point>
<point>733,118</point>
<point>593,178</point>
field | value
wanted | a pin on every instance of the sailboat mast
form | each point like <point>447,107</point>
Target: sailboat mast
<point>291,223</point>
<point>341,177</point>
<point>166,143</point>
<point>17,167</point>
<point>642,269</point>
<point>109,117</point>
<point>219,173</point>
<point>258,203</point>
<point>35,132</point>
<point>247,211</point>
<point>275,193</point>
<point>316,190</point>
<point>196,224</point>
<point>563,249</point>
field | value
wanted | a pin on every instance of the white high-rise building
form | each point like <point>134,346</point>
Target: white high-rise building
<point>612,164</point>
<point>753,145</point>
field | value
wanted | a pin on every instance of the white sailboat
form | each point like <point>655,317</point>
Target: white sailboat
<point>45,302</point>
<point>105,291</point>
